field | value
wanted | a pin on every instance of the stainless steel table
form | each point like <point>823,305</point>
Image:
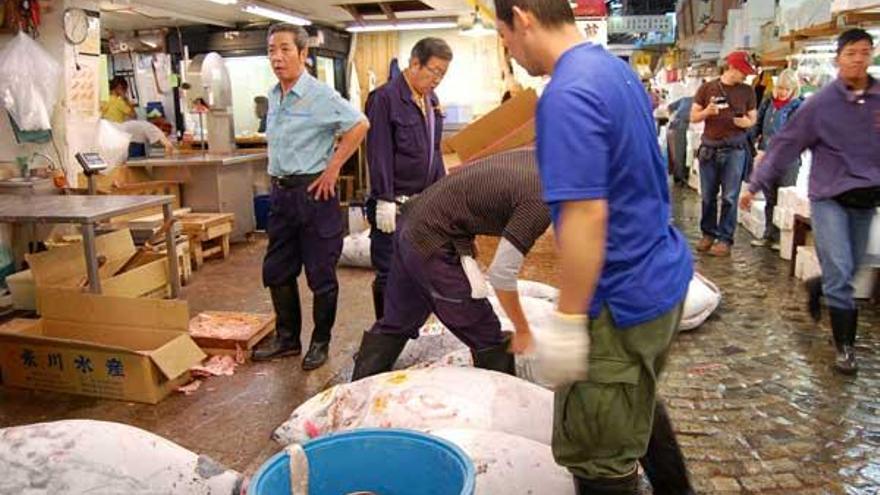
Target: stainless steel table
<point>214,183</point>
<point>87,211</point>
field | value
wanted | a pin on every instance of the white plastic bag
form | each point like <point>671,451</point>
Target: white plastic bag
<point>356,250</point>
<point>112,144</point>
<point>424,399</point>
<point>510,464</point>
<point>702,300</point>
<point>102,458</point>
<point>29,83</point>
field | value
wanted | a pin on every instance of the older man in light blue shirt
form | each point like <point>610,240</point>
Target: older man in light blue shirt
<point>311,132</point>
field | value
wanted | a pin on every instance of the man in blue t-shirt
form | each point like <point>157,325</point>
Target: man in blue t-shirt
<point>625,270</point>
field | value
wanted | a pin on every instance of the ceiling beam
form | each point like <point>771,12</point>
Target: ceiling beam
<point>353,11</point>
<point>388,11</point>
<point>160,14</point>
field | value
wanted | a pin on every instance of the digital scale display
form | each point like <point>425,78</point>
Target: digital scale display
<point>91,162</point>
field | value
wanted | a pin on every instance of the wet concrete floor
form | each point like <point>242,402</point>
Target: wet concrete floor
<point>757,408</point>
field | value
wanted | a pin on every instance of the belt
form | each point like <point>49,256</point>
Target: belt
<point>294,181</point>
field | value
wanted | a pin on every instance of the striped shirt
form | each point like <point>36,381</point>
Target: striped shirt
<point>499,195</point>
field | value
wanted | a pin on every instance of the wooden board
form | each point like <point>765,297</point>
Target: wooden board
<point>201,222</point>
<point>155,221</point>
<point>245,331</point>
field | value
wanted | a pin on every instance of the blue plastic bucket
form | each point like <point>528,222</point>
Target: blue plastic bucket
<point>382,461</point>
<point>261,210</point>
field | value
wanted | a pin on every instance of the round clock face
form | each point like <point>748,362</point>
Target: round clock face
<point>76,25</point>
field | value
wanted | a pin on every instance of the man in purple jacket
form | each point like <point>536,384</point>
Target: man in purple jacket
<point>403,148</point>
<point>841,126</point>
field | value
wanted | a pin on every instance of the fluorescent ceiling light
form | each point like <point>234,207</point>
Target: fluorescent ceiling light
<point>822,47</point>
<point>278,15</point>
<point>225,2</point>
<point>409,26</point>
<point>477,31</point>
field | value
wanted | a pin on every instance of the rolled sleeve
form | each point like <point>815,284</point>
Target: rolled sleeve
<point>573,149</point>
<point>529,221</point>
<point>342,113</point>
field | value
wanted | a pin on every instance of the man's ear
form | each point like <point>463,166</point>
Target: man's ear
<point>522,19</point>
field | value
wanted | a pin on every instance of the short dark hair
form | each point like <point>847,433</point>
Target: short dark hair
<point>550,13</point>
<point>426,48</point>
<point>119,82</point>
<point>300,35</point>
<point>853,36</point>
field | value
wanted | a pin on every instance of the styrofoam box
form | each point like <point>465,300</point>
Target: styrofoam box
<point>783,218</point>
<point>863,284</point>
<point>802,207</point>
<point>807,263</point>
<point>23,290</point>
<point>786,241</point>
<point>786,197</point>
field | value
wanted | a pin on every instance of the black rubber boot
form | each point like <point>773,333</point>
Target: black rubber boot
<point>324,315</point>
<point>378,300</point>
<point>814,296</point>
<point>288,323</point>
<point>377,354</point>
<point>663,462</point>
<point>496,358</point>
<point>844,323</point>
<point>626,485</point>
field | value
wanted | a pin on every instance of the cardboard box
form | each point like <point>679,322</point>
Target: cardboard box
<point>112,347</point>
<point>65,267</point>
<point>509,126</point>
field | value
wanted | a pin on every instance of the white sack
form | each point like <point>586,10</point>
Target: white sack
<point>510,464</point>
<point>424,399</point>
<point>356,250</point>
<point>76,457</point>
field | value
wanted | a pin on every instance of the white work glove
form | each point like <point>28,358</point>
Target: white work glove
<point>386,216</point>
<point>562,350</point>
<point>479,289</point>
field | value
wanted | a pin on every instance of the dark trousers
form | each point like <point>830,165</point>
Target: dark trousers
<point>418,286</point>
<point>306,233</point>
<point>676,145</point>
<point>381,249</point>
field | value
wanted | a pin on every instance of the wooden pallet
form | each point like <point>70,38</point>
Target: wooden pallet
<point>208,235</point>
<point>248,329</point>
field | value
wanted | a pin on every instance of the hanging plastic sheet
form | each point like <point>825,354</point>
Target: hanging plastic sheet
<point>29,79</point>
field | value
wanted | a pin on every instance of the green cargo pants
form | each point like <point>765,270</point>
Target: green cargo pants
<point>601,426</point>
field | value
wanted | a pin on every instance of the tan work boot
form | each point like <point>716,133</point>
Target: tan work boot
<point>704,244</point>
<point>720,249</point>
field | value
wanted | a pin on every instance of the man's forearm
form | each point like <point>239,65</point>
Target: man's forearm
<point>348,144</point>
<point>698,115</point>
<point>509,300</point>
<point>581,241</point>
